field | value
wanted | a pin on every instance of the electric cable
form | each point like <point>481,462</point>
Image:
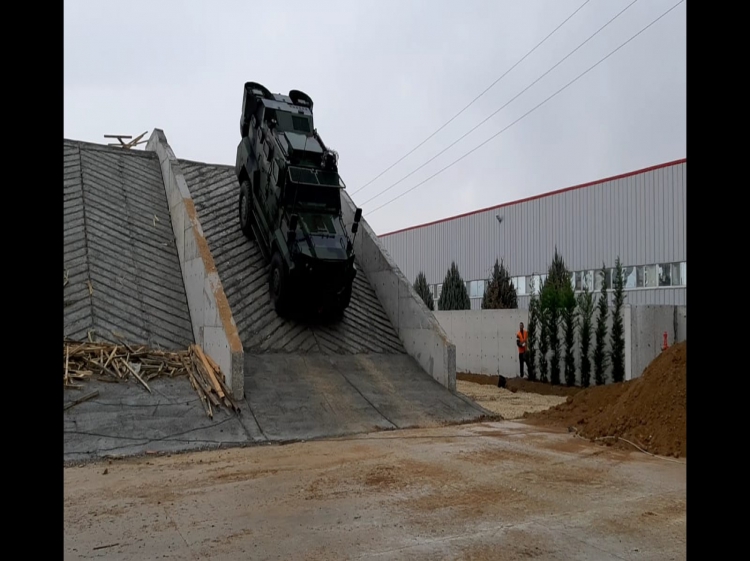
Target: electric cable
<point>504,106</point>
<point>474,100</point>
<point>528,112</point>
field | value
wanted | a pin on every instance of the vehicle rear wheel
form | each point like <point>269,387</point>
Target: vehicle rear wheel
<point>246,215</point>
<point>278,284</point>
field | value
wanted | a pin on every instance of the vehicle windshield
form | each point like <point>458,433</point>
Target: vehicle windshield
<point>319,199</point>
<point>289,122</point>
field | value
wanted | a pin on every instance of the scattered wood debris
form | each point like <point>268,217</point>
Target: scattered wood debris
<point>108,362</point>
<point>81,399</point>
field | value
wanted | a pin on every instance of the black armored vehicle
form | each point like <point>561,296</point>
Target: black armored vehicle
<point>290,203</point>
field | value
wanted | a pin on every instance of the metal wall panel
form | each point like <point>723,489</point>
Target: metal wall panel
<point>639,217</point>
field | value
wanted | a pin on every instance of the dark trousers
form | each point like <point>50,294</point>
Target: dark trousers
<point>521,359</point>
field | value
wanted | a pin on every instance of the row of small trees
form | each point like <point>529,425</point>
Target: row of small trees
<point>499,293</point>
<point>553,308</point>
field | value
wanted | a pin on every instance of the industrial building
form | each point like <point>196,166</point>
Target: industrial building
<point>638,216</point>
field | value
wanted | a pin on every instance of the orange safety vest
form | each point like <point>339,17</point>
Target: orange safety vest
<point>522,336</point>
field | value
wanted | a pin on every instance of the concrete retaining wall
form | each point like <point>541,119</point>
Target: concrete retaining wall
<point>486,339</point>
<point>213,326</point>
<point>419,330</point>
<point>648,325</point>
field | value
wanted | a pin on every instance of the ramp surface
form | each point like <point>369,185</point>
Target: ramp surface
<point>301,397</point>
<point>365,327</point>
<point>311,381</point>
<point>121,265</point>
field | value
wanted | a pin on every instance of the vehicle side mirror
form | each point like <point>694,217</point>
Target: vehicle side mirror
<point>358,216</point>
<point>355,227</point>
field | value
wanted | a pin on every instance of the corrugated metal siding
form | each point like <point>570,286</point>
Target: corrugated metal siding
<point>640,217</point>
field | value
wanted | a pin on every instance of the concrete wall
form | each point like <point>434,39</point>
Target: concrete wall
<point>419,330</point>
<point>213,326</point>
<point>648,325</point>
<point>485,339</point>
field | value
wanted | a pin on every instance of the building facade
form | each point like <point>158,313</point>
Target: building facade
<point>638,216</point>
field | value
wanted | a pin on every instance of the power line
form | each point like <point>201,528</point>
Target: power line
<point>473,101</point>
<point>530,111</point>
<point>503,107</point>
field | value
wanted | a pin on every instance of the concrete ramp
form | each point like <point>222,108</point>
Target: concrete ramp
<point>122,273</point>
<point>365,327</point>
<point>307,396</point>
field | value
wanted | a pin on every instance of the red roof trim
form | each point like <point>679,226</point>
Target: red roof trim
<point>549,194</point>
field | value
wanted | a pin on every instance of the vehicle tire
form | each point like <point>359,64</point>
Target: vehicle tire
<point>278,284</point>
<point>345,299</point>
<point>246,214</point>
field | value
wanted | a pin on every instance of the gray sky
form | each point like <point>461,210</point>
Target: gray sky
<point>385,75</point>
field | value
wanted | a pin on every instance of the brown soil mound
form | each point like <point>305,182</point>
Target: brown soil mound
<point>649,411</point>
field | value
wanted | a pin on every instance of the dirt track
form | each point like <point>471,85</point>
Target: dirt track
<point>491,491</point>
<point>508,404</point>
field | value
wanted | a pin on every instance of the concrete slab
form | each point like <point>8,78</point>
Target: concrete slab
<point>303,397</point>
<point>126,420</point>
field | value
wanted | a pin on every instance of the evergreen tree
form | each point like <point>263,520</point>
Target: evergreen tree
<point>551,304</point>
<point>533,327</point>
<point>543,316</point>
<point>552,300</point>
<point>586,310</point>
<point>454,295</point>
<point>570,321</point>
<point>500,293</point>
<point>423,289</point>
<point>600,355</point>
<point>617,338</point>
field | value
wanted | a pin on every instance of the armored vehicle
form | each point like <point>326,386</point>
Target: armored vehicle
<point>290,203</point>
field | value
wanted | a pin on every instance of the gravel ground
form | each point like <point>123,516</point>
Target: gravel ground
<point>505,402</point>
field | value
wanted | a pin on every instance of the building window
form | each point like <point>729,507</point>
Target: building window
<point>438,291</point>
<point>650,276</point>
<point>476,289</point>
<point>588,280</point>
<point>683,273</point>
<point>520,285</point>
<point>664,271</point>
<point>598,280</point>
<point>578,283</point>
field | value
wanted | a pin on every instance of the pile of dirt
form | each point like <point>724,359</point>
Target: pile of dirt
<point>649,411</point>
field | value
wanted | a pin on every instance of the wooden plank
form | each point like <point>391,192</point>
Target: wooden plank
<point>209,371</point>
<point>81,399</point>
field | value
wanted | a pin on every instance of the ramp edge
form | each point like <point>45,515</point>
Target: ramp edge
<point>211,317</point>
<point>419,330</point>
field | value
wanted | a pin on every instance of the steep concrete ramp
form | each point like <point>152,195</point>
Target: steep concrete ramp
<point>310,381</point>
<point>121,266</point>
<point>365,327</point>
<point>306,396</point>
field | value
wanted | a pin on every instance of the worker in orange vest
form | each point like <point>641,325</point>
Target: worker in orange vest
<point>521,342</point>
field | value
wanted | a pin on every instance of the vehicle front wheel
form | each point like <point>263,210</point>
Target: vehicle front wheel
<point>278,284</point>
<point>246,215</point>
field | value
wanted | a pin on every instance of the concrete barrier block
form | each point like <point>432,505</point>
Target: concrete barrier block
<point>211,316</point>
<point>214,328</point>
<point>195,278</point>
<point>178,227</point>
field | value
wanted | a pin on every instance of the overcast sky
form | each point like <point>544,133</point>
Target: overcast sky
<point>384,76</point>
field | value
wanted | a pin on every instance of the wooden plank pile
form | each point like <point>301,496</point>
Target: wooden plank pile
<point>109,362</point>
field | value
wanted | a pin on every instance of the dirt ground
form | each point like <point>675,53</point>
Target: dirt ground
<point>649,411</point>
<point>503,491</point>
<point>520,384</point>
<point>507,403</point>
